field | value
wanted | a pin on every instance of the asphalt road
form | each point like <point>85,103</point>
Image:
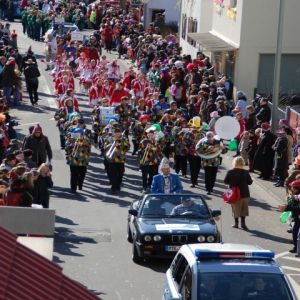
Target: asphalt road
<point>90,239</point>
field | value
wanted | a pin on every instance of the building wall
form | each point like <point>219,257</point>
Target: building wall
<point>226,28</point>
<point>254,31</point>
<point>259,35</point>
<point>201,11</point>
<point>172,10</point>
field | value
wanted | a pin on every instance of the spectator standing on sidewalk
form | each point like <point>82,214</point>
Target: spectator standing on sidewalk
<point>40,146</point>
<point>293,205</point>
<point>239,177</point>
<point>41,186</point>
<point>10,82</point>
<point>264,156</point>
<point>281,158</point>
<point>293,174</point>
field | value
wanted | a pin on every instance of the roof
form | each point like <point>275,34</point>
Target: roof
<point>27,275</point>
<point>211,42</point>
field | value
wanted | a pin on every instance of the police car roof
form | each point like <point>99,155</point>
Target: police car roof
<point>223,247</point>
<point>212,259</point>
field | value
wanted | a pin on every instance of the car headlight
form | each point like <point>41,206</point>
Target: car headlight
<point>147,238</point>
<point>201,238</point>
<point>157,238</point>
<point>210,238</point>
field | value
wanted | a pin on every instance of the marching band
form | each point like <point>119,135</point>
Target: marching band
<point>130,111</point>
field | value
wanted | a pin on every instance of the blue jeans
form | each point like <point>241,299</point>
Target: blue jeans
<point>7,90</point>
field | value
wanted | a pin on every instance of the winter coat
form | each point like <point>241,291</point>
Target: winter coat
<point>240,178</point>
<point>281,156</point>
<point>41,193</point>
<point>264,156</point>
<point>41,148</point>
<point>264,115</point>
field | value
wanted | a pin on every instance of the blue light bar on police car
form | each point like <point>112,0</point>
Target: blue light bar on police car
<point>207,254</point>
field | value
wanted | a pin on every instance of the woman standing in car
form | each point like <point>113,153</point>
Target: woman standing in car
<point>239,177</point>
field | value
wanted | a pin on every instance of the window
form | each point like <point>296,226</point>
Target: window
<point>183,26</point>
<point>186,285</point>
<point>242,285</point>
<point>192,27</point>
<point>178,268</point>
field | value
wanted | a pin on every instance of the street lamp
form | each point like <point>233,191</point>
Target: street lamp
<point>277,66</point>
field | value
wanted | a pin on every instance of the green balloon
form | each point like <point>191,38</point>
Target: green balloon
<point>232,146</point>
<point>284,217</point>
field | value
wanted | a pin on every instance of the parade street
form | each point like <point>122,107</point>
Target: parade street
<point>90,239</point>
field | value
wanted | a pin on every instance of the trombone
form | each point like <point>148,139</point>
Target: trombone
<point>110,153</point>
<point>146,152</point>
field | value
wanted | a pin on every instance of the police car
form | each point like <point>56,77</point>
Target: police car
<point>226,272</point>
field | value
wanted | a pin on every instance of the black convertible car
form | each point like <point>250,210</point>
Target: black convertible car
<point>159,224</point>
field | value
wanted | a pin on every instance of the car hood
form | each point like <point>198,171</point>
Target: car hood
<point>176,225</point>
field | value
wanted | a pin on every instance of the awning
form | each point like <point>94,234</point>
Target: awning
<point>210,42</point>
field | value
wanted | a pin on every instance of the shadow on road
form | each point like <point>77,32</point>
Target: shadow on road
<point>59,192</point>
<point>158,265</point>
<point>66,241</point>
<point>267,236</point>
<point>254,202</point>
<point>65,221</point>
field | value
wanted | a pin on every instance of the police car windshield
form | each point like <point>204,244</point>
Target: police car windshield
<point>242,286</point>
<point>175,206</point>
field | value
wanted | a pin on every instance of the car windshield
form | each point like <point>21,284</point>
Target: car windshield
<point>242,286</point>
<point>175,206</point>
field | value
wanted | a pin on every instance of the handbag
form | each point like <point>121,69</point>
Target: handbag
<point>232,195</point>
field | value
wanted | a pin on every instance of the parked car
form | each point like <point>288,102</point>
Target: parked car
<point>159,224</point>
<point>61,29</point>
<point>226,272</point>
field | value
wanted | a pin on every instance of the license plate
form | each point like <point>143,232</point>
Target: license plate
<point>172,248</point>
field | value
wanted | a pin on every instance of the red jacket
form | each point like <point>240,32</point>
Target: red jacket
<point>61,89</point>
<point>116,96</point>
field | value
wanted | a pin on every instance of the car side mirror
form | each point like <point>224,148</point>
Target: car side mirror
<point>133,212</point>
<point>216,213</point>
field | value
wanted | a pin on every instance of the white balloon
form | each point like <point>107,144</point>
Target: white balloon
<point>227,127</point>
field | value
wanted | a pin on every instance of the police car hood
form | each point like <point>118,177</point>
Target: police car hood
<point>176,225</point>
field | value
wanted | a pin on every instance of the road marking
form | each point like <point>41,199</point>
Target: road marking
<point>51,101</point>
<point>292,258</point>
<point>281,254</point>
<point>291,268</point>
<point>26,124</point>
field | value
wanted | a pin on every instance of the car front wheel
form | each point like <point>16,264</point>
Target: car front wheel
<point>129,234</point>
<point>135,255</point>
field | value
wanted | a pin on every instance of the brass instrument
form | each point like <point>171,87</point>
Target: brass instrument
<point>146,152</point>
<point>110,153</point>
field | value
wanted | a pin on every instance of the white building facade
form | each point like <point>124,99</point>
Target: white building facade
<point>170,8</point>
<point>240,37</point>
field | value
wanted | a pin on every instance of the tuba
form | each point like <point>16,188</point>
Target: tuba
<point>210,152</point>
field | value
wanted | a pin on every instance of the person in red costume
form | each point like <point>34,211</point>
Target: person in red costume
<point>117,94</point>
<point>128,80</point>
<point>64,86</point>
